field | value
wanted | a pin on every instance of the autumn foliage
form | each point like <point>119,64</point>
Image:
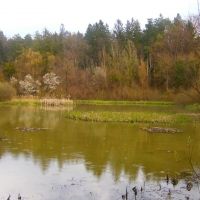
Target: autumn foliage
<point>7,92</point>
<point>159,62</point>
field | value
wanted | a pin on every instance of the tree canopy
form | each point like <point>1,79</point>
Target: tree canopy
<point>110,64</point>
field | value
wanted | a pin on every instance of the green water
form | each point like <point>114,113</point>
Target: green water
<point>85,160</point>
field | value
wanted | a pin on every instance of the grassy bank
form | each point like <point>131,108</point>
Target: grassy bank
<point>27,102</point>
<point>132,117</point>
<point>36,101</point>
<point>101,102</point>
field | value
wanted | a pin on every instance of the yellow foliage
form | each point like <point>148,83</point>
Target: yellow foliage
<point>33,63</point>
<point>143,77</point>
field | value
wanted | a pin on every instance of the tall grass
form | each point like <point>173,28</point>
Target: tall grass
<point>26,100</point>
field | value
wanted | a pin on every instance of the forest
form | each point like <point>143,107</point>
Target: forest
<point>159,62</point>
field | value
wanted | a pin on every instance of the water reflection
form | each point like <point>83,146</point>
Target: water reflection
<point>137,108</point>
<point>83,157</point>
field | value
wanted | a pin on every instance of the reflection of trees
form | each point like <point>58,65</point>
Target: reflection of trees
<point>122,148</point>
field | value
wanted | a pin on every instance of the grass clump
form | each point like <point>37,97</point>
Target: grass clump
<point>23,101</point>
<point>193,107</point>
<point>130,117</point>
<point>20,102</point>
<point>7,92</point>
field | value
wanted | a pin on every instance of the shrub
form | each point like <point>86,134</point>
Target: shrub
<point>29,86</point>
<point>50,81</point>
<point>6,92</point>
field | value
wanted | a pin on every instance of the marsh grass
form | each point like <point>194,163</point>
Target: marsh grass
<point>37,101</point>
<point>21,102</point>
<point>100,102</point>
<point>193,107</point>
<point>130,117</point>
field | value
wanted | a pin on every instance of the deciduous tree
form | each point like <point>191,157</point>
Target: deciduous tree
<point>29,86</point>
<point>51,81</point>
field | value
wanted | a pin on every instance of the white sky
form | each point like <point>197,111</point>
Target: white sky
<point>29,16</point>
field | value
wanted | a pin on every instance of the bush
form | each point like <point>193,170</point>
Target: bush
<point>6,92</point>
<point>29,86</point>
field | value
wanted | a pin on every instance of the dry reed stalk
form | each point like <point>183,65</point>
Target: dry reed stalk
<point>55,102</point>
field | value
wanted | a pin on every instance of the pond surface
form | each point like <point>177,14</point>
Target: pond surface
<point>90,160</point>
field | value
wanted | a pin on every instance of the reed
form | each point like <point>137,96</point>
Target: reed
<point>55,102</point>
<point>36,101</point>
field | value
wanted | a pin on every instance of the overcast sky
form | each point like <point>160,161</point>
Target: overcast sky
<point>29,16</point>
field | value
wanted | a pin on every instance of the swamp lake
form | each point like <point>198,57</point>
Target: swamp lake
<point>44,155</point>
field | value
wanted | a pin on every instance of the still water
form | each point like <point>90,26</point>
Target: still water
<point>90,160</point>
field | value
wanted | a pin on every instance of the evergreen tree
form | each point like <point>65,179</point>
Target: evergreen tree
<point>98,37</point>
<point>119,33</point>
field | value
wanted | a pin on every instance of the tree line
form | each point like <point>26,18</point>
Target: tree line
<point>127,62</point>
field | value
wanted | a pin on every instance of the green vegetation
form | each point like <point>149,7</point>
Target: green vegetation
<point>7,92</point>
<point>131,117</point>
<point>100,102</point>
<point>22,102</point>
<point>193,107</point>
<point>37,101</point>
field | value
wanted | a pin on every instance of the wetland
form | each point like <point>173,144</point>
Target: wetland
<point>44,155</point>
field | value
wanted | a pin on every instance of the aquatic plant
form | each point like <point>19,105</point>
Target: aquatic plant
<point>130,117</point>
